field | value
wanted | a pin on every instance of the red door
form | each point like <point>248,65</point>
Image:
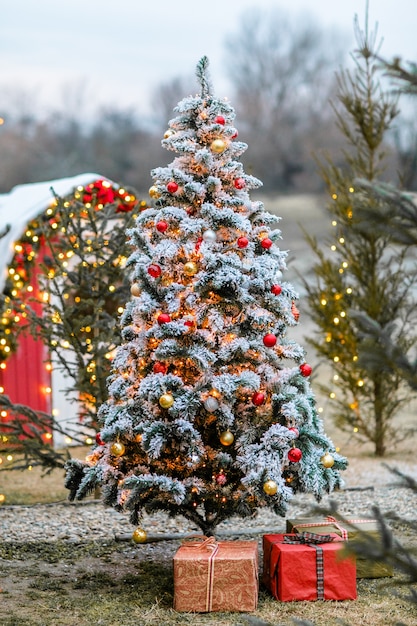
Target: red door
<point>26,378</point>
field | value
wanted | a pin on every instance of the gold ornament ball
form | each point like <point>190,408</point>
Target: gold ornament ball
<point>327,460</point>
<point>135,290</point>
<point>117,448</point>
<point>227,438</point>
<point>218,146</point>
<point>190,268</point>
<point>168,133</point>
<point>139,535</point>
<point>270,487</point>
<point>153,192</point>
<point>166,400</point>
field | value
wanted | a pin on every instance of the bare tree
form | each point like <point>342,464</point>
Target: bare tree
<point>167,94</point>
<point>283,73</point>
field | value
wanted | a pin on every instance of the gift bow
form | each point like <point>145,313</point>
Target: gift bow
<point>201,542</point>
<point>313,540</point>
<point>308,538</point>
<point>332,520</point>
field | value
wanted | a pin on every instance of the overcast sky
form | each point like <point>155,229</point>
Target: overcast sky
<point>124,48</point>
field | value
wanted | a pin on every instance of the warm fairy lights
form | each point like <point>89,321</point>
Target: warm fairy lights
<point>19,286</point>
<point>339,303</point>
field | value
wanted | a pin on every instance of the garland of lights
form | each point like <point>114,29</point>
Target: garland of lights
<point>19,272</point>
<point>18,287</point>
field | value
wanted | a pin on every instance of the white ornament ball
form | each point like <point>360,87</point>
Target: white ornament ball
<point>278,275</point>
<point>211,404</point>
<point>209,236</point>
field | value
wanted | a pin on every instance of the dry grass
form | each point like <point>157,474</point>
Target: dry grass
<point>35,486</point>
<point>114,584</point>
<point>122,584</point>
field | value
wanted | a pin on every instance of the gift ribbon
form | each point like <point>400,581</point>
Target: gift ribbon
<point>332,521</point>
<point>206,543</point>
<point>313,540</point>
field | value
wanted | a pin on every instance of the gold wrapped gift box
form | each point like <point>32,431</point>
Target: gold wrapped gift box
<point>212,575</point>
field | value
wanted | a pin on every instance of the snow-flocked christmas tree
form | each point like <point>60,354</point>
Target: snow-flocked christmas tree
<point>210,411</point>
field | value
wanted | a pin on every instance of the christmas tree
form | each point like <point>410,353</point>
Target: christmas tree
<point>210,411</point>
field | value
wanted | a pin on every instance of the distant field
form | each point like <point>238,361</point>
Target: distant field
<point>300,213</point>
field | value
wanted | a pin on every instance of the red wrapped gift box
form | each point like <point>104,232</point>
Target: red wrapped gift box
<point>212,575</point>
<point>312,568</point>
<point>352,530</point>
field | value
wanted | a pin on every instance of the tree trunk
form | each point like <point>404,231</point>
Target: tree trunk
<point>380,444</point>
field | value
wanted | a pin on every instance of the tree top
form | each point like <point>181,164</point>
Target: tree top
<point>204,77</point>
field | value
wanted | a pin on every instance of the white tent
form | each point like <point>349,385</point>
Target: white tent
<point>26,202</point>
<point>17,208</point>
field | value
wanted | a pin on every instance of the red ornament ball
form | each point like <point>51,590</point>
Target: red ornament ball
<point>235,134</point>
<point>269,340</point>
<point>163,318</point>
<point>240,183</point>
<point>219,119</point>
<point>154,270</point>
<point>294,455</point>
<point>99,440</point>
<point>266,243</point>
<point>242,242</point>
<point>306,369</point>
<point>294,430</point>
<point>160,368</point>
<point>221,479</point>
<point>172,186</point>
<point>161,226</point>
<point>258,398</point>
<point>276,289</point>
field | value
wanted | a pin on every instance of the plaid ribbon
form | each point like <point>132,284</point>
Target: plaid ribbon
<point>313,540</point>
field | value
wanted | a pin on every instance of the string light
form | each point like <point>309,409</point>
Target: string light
<point>26,250</point>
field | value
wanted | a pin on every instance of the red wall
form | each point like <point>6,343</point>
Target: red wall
<point>26,378</point>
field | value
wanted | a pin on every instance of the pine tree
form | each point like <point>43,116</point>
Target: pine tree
<point>398,217</point>
<point>76,249</point>
<point>85,281</point>
<point>365,271</point>
<point>210,411</point>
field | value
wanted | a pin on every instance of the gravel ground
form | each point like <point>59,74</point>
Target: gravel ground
<point>368,482</point>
